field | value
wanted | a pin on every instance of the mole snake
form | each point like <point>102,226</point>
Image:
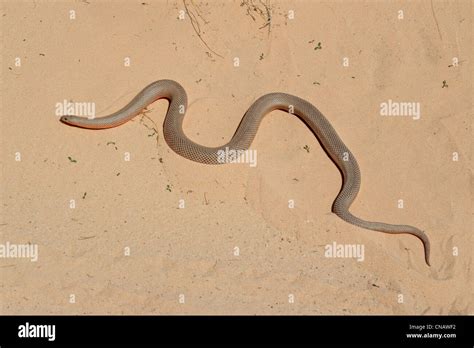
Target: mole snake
<point>243,137</point>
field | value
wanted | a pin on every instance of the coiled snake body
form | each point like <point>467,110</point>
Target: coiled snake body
<point>243,137</point>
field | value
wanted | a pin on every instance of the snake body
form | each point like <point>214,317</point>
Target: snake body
<point>243,137</point>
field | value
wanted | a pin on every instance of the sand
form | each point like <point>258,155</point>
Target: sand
<point>112,234</point>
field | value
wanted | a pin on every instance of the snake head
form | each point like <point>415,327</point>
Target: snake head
<point>66,119</point>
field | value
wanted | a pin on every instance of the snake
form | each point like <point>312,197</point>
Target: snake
<point>243,137</point>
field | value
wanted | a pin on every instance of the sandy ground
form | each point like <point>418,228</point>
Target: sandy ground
<point>236,247</point>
